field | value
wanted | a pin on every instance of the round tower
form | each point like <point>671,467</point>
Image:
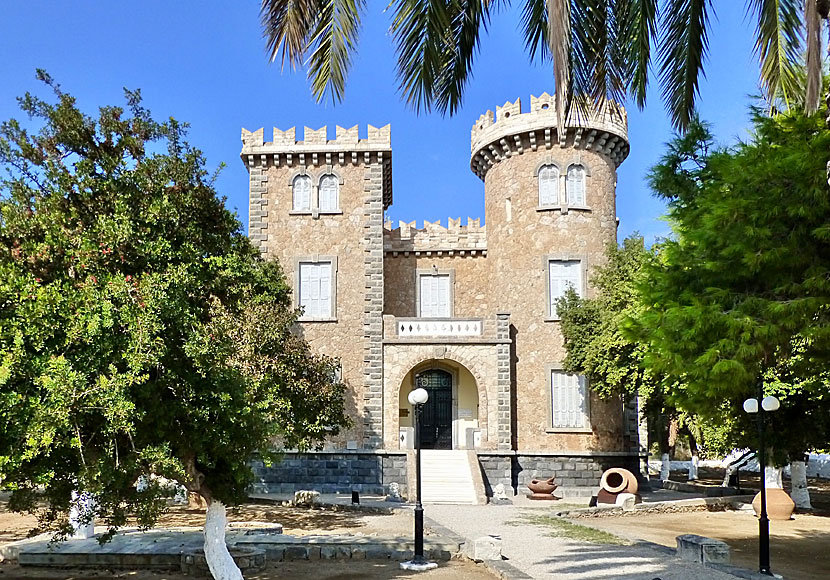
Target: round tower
<point>550,214</point>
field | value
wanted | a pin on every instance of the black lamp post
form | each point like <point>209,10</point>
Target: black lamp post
<point>417,398</point>
<point>767,404</point>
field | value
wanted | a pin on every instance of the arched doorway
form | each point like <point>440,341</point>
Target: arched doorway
<point>436,416</point>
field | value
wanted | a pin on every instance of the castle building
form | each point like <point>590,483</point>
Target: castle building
<point>467,311</point>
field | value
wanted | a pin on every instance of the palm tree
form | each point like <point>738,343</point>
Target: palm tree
<point>600,49</point>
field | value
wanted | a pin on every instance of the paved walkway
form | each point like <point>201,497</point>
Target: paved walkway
<point>528,548</point>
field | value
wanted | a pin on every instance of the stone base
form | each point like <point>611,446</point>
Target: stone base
<point>542,496</point>
<point>413,566</point>
<point>248,559</point>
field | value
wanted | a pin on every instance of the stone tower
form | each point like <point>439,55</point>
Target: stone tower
<point>317,206</point>
<point>550,214</point>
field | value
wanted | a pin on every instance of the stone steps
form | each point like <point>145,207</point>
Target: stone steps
<point>446,477</point>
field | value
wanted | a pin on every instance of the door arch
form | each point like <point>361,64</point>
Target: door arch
<point>437,412</point>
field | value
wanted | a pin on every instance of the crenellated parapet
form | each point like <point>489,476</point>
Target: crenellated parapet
<point>511,132</point>
<point>436,239</point>
<point>316,149</point>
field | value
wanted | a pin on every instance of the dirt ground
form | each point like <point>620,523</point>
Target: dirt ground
<point>295,521</point>
<point>316,570</point>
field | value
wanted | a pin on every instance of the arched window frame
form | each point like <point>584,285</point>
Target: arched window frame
<point>316,179</point>
<point>576,196</point>
<point>328,205</point>
<point>555,201</point>
<point>298,204</point>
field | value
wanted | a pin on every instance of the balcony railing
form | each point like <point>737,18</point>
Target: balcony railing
<point>413,327</point>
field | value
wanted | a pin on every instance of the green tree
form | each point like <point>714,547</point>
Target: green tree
<point>740,298</point>
<point>600,49</point>
<point>140,331</point>
<point>598,346</point>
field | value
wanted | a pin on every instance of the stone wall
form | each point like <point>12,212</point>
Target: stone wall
<point>516,470</point>
<point>341,472</point>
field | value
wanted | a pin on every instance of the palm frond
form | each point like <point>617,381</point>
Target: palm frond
<point>332,44</point>
<point>684,44</point>
<point>535,26</point>
<point>559,42</point>
<point>637,32</point>
<point>779,45</point>
<point>814,72</point>
<point>286,27</point>
<point>420,29</point>
<point>468,19</point>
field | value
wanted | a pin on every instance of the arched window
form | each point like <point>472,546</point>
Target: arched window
<point>548,185</point>
<point>575,187</point>
<point>329,193</point>
<point>301,186</point>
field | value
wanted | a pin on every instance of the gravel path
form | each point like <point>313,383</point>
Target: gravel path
<point>528,548</point>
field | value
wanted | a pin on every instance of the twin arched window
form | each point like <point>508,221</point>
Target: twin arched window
<point>549,194</point>
<point>328,193</point>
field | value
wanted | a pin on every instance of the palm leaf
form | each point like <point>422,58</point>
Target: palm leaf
<point>333,43</point>
<point>559,43</point>
<point>683,49</point>
<point>468,19</point>
<point>287,25</point>
<point>637,31</point>
<point>420,29</point>
<point>779,46</point>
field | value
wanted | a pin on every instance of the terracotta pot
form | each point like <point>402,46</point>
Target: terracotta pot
<point>780,505</point>
<point>545,486</point>
<point>619,480</point>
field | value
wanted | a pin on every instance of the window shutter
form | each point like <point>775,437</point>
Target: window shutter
<point>576,185</point>
<point>324,303</point>
<point>328,193</point>
<point>548,185</point>
<point>435,296</point>
<point>302,193</point>
<point>563,274</point>
<point>569,397</point>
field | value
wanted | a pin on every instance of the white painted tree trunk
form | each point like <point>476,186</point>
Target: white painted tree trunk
<point>81,515</point>
<point>665,466</point>
<point>218,558</point>
<point>693,464</point>
<point>800,493</point>
<point>773,477</point>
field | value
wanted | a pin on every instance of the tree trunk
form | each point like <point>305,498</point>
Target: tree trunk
<point>219,560</point>
<point>800,493</point>
<point>773,477</point>
<point>665,467</point>
<point>695,458</point>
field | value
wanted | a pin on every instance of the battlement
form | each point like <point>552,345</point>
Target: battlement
<point>508,131</point>
<point>377,139</point>
<point>434,237</point>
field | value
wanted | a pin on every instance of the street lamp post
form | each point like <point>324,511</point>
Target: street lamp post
<point>768,404</point>
<point>417,398</point>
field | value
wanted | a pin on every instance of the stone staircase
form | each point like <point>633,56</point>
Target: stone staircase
<point>448,477</point>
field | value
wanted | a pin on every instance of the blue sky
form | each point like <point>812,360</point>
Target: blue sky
<point>205,63</point>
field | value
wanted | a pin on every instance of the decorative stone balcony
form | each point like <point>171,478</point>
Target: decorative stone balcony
<point>444,330</point>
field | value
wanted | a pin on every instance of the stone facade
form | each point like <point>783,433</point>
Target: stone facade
<point>501,339</point>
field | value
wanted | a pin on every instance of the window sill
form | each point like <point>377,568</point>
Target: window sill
<point>563,208</point>
<point>553,319</point>
<point>548,207</point>
<point>312,319</point>
<point>330,212</point>
<point>300,212</point>
<point>569,430</point>
<point>579,208</point>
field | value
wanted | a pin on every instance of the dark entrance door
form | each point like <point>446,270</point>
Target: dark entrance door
<point>436,417</point>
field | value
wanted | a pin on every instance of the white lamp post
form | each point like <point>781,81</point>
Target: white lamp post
<point>417,398</point>
<point>768,404</point>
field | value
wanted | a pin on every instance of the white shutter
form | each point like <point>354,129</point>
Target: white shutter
<point>435,296</point>
<point>561,275</point>
<point>569,400</point>
<point>576,185</point>
<point>328,193</point>
<point>302,193</point>
<point>548,185</point>
<point>315,289</point>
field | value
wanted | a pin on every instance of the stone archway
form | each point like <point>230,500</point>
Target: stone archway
<point>401,360</point>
